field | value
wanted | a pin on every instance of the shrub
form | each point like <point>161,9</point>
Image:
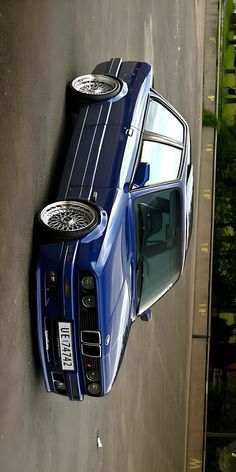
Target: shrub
<point>209,119</point>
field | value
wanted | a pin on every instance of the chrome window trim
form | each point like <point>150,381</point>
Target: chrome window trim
<point>153,95</point>
<point>159,138</point>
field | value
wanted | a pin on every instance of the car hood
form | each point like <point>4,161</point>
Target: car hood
<point>118,328</point>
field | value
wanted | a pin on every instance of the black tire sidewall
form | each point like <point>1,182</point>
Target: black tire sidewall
<point>78,98</point>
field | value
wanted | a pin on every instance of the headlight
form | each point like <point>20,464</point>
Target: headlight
<point>92,375</point>
<point>94,388</point>
<point>89,301</point>
<point>87,282</point>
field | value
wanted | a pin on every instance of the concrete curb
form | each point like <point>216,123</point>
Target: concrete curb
<point>195,454</point>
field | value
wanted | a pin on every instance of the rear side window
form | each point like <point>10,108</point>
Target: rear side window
<point>161,121</point>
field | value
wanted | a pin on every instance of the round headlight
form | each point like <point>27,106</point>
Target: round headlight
<point>87,282</point>
<point>89,301</point>
<point>92,375</point>
<point>94,388</point>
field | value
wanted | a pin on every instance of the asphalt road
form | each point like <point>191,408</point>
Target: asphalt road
<point>142,423</point>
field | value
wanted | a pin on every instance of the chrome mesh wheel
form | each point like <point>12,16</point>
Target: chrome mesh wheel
<point>68,216</point>
<point>95,85</point>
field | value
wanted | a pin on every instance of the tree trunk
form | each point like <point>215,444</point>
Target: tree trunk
<point>233,18</point>
<point>221,435</point>
<point>230,100</point>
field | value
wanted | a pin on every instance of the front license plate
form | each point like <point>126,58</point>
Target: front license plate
<point>65,341</point>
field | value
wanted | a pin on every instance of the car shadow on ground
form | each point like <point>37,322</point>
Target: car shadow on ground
<point>58,159</point>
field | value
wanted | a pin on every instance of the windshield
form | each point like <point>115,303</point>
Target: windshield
<point>158,236</point>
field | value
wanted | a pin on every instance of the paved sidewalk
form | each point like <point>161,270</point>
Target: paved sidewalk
<point>205,215</point>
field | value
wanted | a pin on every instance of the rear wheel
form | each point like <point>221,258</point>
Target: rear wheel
<point>67,220</point>
<point>93,88</point>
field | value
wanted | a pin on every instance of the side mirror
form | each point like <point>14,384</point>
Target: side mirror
<point>142,174</point>
<point>147,315</point>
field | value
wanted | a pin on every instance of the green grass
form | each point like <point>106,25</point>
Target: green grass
<point>227,111</point>
<point>228,9</point>
<point>228,81</point>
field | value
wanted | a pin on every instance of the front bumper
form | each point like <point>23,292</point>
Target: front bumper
<point>52,308</point>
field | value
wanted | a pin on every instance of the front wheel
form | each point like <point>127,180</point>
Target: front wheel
<point>67,220</point>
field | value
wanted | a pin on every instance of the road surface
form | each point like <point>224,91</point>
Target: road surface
<point>142,423</point>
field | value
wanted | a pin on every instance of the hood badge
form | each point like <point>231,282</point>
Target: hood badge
<point>107,340</point>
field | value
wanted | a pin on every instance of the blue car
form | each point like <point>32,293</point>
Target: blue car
<point>115,239</point>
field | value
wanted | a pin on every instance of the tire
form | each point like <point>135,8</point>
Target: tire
<point>67,220</point>
<point>92,88</point>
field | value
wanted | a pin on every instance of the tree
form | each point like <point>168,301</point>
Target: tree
<point>224,262</point>
<point>227,463</point>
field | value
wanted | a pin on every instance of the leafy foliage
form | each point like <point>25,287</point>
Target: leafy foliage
<point>227,462</point>
<point>224,281</point>
<point>209,119</point>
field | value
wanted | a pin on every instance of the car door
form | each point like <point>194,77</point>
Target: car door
<point>157,204</point>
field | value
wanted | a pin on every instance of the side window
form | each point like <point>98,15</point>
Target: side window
<point>164,161</point>
<point>161,121</point>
